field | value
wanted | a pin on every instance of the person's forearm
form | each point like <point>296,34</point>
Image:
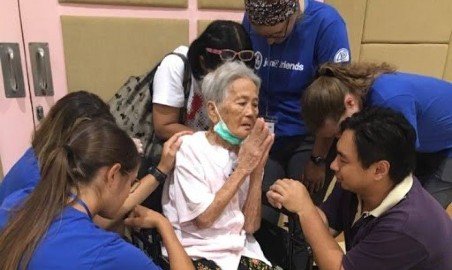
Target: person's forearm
<point>222,198</point>
<point>147,185</point>
<point>165,131</point>
<point>327,253</point>
<point>252,207</point>
<point>178,258</point>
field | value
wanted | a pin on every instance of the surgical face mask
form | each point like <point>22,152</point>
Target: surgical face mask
<point>222,130</point>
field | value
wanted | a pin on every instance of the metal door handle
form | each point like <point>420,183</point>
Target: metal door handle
<point>13,80</point>
<point>41,69</point>
<point>13,76</point>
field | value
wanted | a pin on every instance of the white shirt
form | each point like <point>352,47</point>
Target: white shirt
<point>397,194</point>
<point>201,170</point>
<point>169,90</point>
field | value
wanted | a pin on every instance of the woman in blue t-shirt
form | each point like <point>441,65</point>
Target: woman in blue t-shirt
<point>90,173</point>
<point>341,90</point>
<point>291,39</point>
<point>51,130</point>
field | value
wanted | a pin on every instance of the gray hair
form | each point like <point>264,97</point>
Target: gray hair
<point>215,85</point>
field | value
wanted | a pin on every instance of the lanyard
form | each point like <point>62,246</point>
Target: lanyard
<point>82,203</point>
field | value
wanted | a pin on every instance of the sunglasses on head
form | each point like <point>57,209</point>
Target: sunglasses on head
<point>227,54</point>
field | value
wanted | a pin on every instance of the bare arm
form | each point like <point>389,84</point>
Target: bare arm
<point>253,204</point>
<point>178,258</point>
<point>294,197</point>
<point>166,121</point>
<point>327,252</point>
<point>251,161</point>
<point>252,207</point>
<point>314,175</point>
<point>147,184</point>
<point>222,198</point>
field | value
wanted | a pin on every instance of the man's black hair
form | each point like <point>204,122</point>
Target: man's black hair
<point>384,134</point>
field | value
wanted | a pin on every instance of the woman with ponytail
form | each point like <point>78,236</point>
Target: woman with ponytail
<point>221,41</point>
<point>89,173</point>
<point>342,90</point>
<point>51,130</point>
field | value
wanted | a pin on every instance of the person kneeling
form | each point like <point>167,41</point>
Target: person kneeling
<point>388,219</point>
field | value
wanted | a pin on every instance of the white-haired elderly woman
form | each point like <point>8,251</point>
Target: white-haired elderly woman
<point>213,198</point>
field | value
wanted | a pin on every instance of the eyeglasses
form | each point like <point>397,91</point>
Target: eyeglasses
<point>135,184</point>
<point>227,54</point>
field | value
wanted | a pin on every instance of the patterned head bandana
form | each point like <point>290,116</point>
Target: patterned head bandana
<point>261,12</point>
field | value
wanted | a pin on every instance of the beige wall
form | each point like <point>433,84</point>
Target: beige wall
<point>415,35</point>
<point>101,52</point>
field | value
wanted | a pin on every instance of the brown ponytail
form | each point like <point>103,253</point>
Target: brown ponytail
<point>92,145</point>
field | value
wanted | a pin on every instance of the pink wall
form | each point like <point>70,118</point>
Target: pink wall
<point>16,119</point>
<point>41,23</point>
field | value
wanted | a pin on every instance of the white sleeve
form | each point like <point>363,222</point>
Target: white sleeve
<point>193,194</point>
<point>168,88</point>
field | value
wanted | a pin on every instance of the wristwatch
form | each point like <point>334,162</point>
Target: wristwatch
<point>317,160</point>
<point>158,174</point>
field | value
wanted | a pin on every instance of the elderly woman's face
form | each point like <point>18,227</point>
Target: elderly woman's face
<point>239,109</point>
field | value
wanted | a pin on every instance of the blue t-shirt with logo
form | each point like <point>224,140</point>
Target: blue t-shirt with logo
<point>24,174</point>
<point>286,69</point>
<point>73,241</point>
<point>426,102</point>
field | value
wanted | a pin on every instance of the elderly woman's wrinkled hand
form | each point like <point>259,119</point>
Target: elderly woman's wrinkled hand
<point>254,150</point>
<point>169,151</point>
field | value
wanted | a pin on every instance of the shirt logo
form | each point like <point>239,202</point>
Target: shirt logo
<point>342,55</point>
<point>257,60</point>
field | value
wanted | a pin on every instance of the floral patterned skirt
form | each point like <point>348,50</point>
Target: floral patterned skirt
<point>245,264</point>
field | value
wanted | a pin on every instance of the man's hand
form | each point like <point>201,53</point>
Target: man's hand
<point>314,176</point>
<point>290,194</point>
<point>169,151</point>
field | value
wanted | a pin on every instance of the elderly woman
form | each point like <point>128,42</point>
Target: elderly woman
<point>213,199</point>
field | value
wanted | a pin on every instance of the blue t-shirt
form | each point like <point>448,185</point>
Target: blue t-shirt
<point>286,69</point>
<point>24,174</point>
<point>426,102</point>
<point>73,241</point>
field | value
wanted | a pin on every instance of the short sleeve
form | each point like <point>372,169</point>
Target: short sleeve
<point>122,255</point>
<point>167,86</point>
<point>191,188</point>
<point>333,44</point>
<point>385,249</point>
<point>246,23</point>
<point>332,209</point>
<point>406,105</point>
